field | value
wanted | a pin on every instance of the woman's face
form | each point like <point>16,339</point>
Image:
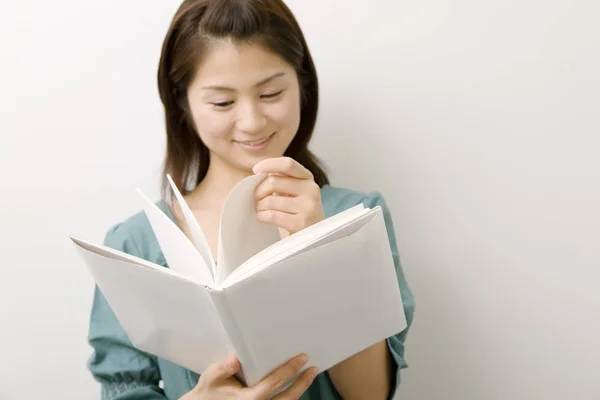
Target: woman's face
<point>245,104</point>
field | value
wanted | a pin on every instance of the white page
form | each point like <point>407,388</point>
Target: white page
<point>180,253</point>
<point>241,235</point>
<point>330,302</point>
<point>163,314</point>
<point>194,227</point>
<point>121,256</point>
<point>315,233</point>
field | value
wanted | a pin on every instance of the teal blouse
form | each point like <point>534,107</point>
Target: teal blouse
<point>126,373</point>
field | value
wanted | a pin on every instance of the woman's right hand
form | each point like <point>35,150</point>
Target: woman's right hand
<point>218,382</point>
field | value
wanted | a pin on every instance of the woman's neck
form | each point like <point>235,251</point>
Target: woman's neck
<point>216,185</point>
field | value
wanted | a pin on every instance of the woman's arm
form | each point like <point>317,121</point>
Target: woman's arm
<point>366,375</point>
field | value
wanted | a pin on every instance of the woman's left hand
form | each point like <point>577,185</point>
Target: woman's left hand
<point>288,198</point>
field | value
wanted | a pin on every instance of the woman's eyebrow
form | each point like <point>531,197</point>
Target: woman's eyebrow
<point>228,89</point>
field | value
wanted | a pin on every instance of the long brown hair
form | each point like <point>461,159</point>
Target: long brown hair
<point>269,23</point>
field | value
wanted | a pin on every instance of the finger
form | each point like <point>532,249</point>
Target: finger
<point>286,204</point>
<point>222,370</point>
<point>278,378</point>
<point>300,386</point>
<point>282,185</point>
<point>290,222</point>
<point>282,165</point>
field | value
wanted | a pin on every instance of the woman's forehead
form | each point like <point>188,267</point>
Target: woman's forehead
<point>227,64</point>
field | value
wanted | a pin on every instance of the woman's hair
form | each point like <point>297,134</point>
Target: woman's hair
<point>269,23</point>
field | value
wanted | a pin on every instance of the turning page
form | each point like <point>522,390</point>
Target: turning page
<point>193,227</point>
<point>241,235</point>
<point>316,233</point>
<point>179,252</point>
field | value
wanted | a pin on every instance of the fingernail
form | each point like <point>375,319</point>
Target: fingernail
<point>303,358</point>
<point>232,363</point>
<point>256,169</point>
<point>313,373</point>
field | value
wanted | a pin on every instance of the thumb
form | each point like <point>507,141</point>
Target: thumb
<point>223,369</point>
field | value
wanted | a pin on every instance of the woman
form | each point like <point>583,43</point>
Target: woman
<point>240,93</point>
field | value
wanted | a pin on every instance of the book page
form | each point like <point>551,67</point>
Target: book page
<point>319,233</point>
<point>194,227</point>
<point>180,253</point>
<point>241,235</point>
<point>116,255</point>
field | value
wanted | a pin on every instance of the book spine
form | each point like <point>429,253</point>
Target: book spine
<point>236,337</point>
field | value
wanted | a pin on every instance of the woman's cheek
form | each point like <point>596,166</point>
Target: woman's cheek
<point>288,113</point>
<point>212,126</point>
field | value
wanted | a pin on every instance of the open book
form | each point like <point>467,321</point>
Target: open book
<point>329,290</point>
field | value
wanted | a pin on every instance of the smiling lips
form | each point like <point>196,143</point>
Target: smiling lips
<point>256,144</point>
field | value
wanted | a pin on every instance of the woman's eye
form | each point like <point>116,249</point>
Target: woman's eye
<point>271,95</point>
<point>222,104</point>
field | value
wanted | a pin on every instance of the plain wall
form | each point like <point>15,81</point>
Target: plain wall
<point>478,121</point>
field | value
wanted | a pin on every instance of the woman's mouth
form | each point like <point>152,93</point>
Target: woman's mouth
<point>255,145</point>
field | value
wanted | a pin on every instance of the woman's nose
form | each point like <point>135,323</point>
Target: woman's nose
<point>251,119</point>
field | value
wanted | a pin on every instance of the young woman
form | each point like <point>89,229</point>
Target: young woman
<point>240,93</point>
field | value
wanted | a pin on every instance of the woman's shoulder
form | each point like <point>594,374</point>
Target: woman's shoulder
<point>134,235</point>
<point>337,199</point>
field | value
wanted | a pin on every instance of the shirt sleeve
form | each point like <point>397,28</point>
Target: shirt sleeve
<point>124,372</point>
<point>395,343</point>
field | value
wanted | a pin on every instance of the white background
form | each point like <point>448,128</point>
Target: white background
<point>478,121</point>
